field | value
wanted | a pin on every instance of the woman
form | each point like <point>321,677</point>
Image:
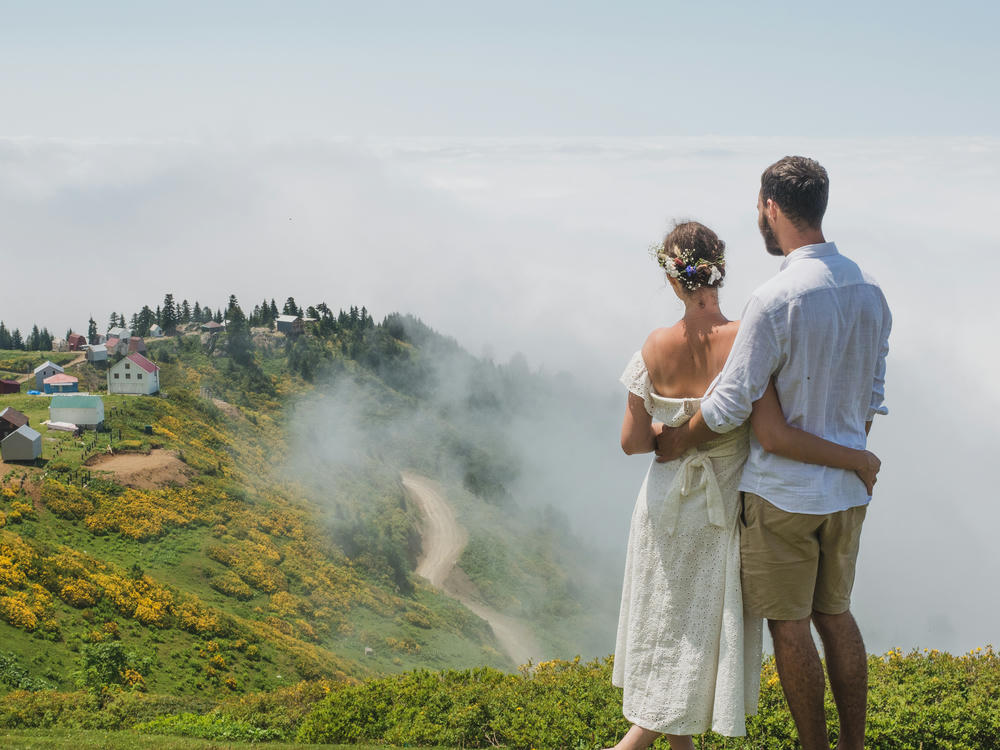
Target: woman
<point>687,657</point>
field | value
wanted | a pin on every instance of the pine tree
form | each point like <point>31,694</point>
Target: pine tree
<point>16,342</point>
<point>185,312</point>
<point>238,334</point>
<point>290,307</point>
<point>45,340</point>
<point>168,315</point>
<point>196,313</point>
<point>274,310</point>
<point>91,331</point>
<point>4,337</point>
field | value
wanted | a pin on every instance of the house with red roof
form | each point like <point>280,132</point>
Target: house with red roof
<point>76,342</point>
<point>134,374</point>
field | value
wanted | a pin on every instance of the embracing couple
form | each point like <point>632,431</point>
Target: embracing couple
<point>753,507</point>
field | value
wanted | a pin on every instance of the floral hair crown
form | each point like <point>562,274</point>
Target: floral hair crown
<point>684,265</point>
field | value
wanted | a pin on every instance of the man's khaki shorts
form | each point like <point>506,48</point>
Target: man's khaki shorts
<point>795,563</point>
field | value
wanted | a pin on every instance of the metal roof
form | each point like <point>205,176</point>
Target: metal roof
<point>75,402</point>
<point>47,363</point>
<point>13,416</point>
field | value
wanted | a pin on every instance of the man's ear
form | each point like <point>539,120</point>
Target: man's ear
<point>773,210</point>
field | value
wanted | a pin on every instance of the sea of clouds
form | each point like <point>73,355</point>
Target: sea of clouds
<point>540,247</point>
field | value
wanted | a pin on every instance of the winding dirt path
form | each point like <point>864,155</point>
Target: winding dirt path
<point>443,542</point>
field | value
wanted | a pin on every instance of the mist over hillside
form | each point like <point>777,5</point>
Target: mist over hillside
<point>517,450</point>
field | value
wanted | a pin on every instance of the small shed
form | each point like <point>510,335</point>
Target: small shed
<point>10,420</point>
<point>9,386</point>
<point>85,411</point>
<point>119,333</point>
<point>136,344</point>
<point>135,375</point>
<point>76,342</point>
<point>97,353</point>
<point>23,444</point>
<point>61,383</point>
<point>155,331</point>
<point>289,325</point>
<point>212,327</point>
<point>46,370</point>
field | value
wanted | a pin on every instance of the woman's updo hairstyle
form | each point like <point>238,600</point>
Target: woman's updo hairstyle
<point>694,255</point>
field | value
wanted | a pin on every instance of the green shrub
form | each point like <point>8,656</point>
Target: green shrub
<point>207,727</point>
<point>922,700</point>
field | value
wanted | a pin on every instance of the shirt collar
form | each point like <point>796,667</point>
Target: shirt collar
<point>820,250</point>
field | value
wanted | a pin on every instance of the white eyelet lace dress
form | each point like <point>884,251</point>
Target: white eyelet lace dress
<point>687,657</point>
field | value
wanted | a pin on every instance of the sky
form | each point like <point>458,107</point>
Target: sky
<point>499,171</point>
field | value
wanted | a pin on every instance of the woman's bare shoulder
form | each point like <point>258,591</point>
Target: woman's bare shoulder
<point>661,342</point>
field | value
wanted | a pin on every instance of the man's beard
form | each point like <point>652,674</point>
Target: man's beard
<point>767,232</point>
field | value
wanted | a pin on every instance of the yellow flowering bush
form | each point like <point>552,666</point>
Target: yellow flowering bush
<point>65,500</point>
<point>230,584</point>
<point>145,514</point>
<point>78,592</point>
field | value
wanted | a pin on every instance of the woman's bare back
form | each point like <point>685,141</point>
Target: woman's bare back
<point>684,359</point>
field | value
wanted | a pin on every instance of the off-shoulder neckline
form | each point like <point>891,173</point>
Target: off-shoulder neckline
<point>653,394</point>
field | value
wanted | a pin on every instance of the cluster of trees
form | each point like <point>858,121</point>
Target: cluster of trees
<point>37,340</point>
<point>168,316</point>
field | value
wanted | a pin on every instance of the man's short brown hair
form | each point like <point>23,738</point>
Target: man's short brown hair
<point>800,187</point>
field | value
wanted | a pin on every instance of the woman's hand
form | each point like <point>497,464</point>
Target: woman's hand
<point>868,470</point>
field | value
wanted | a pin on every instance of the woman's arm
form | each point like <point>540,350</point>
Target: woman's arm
<point>775,435</point>
<point>638,431</point>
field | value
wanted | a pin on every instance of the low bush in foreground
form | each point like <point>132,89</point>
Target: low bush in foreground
<point>916,701</point>
<point>922,700</point>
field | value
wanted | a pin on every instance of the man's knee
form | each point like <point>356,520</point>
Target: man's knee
<point>788,629</point>
<point>827,623</point>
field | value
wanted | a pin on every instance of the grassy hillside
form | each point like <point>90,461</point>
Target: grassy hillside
<point>231,579</point>
<point>233,552</point>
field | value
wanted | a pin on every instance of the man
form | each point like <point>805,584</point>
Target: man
<point>820,329</point>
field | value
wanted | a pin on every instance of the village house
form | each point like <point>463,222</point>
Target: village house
<point>10,420</point>
<point>290,325</point>
<point>212,327</point>
<point>155,331</point>
<point>23,444</point>
<point>60,345</point>
<point>136,344</point>
<point>84,411</point>
<point>76,342</point>
<point>134,375</point>
<point>61,383</point>
<point>119,333</point>
<point>9,386</point>
<point>97,353</point>
<point>45,370</point>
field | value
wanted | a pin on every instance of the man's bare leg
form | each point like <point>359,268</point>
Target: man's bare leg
<point>638,738</point>
<point>802,680</point>
<point>847,665</point>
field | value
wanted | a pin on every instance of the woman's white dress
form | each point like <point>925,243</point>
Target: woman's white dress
<point>687,656</point>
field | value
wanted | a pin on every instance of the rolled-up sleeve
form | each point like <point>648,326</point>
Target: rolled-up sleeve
<point>877,405</point>
<point>755,356</point>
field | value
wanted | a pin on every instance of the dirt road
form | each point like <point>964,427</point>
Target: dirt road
<point>443,542</point>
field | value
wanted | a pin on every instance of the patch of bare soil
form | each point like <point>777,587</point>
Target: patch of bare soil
<point>227,408</point>
<point>145,472</point>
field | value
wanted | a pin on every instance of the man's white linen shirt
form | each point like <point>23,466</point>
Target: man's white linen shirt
<point>820,327</point>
